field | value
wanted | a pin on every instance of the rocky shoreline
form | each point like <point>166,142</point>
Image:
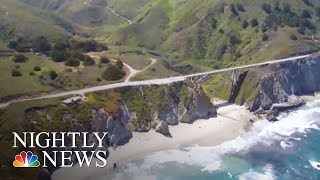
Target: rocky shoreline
<point>287,80</point>
<point>124,111</point>
<point>229,123</point>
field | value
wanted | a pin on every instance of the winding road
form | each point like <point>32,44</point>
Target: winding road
<point>132,71</point>
<point>113,11</point>
<point>122,17</point>
<point>152,81</point>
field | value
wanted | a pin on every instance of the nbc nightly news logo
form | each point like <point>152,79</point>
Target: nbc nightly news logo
<point>56,140</point>
<point>26,160</point>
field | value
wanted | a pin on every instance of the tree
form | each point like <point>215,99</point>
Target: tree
<point>113,73</point>
<point>234,40</point>
<point>237,54</point>
<point>240,7</point>
<point>221,50</point>
<point>264,27</point>
<point>286,8</point>
<point>72,62</point>
<point>58,55</point>
<point>119,64</point>
<point>53,75</point>
<point>32,73</point>
<point>306,14</point>
<point>277,7</point>
<point>12,44</point>
<point>301,30</point>
<point>293,37</point>
<point>63,45</point>
<point>307,24</point>
<point>59,51</point>
<point>266,8</point>
<point>307,2</point>
<point>87,45</point>
<point>20,58</point>
<point>15,73</point>
<point>254,23</point>
<point>41,44</point>
<point>88,61</point>
<point>265,37</point>
<point>104,60</point>
<point>234,10</point>
<point>20,45</point>
<point>76,54</point>
<point>37,68</point>
<point>99,79</point>
<point>245,24</point>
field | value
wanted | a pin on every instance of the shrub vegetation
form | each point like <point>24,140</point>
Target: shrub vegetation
<point>113,73</point>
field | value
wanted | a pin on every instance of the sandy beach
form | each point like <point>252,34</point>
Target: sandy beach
<point>231,120</point>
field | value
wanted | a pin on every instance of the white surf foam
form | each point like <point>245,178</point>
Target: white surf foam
<point>281,134</point>
<point>253,175</point>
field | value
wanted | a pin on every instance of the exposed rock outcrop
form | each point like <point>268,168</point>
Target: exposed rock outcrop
<point>198,106</point>
<point>163,128</point>
<point>288,79</point>
<point>178,102</point>
<point>116,125</point>
<point>274,86</point>
<point>83,118</point>
<point>123,110</point>
<point>272,115</point>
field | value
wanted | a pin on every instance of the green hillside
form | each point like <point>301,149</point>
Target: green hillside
<point>19,20</point>
<point>56,19</point>
<point>196,35</point>
<point>224,33</point>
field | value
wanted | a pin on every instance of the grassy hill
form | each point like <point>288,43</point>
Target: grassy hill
<point>17,19</point>
<point>56,19</point>
<point>213,33</point>
<point>131,9</point>
<point>220,33</point>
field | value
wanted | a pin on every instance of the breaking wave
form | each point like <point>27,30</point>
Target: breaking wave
<point>282,136</point>
<point>253,175</point>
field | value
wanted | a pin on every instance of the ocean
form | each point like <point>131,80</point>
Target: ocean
<point>267,151</point>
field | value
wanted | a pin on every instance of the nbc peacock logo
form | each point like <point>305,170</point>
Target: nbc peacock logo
<point>26,160</point>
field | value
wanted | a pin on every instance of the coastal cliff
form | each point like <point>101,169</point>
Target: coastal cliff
<point>288,79</point>
<point>182,102</point>
<point>122,111</point>
<point>262,87</point>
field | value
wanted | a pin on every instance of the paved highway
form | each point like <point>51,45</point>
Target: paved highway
<point>152,81</point>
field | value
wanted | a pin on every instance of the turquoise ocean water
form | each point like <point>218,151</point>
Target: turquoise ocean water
<point>280,150</point>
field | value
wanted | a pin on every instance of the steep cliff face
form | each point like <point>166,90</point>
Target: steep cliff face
<point>116,126</point>
<point>287,79</point>
<point>84,118</point>
<point>197,106</point>
<point>178,102</point>
<point>260,88</point>
<point>122,111</point>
